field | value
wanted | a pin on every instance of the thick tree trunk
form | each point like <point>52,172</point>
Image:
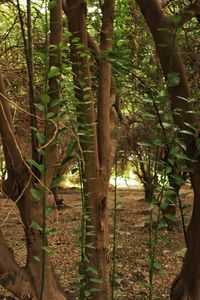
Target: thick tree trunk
<point>97,152</point>
<point>25,283</point>
<point>31,211</point>
<point>187,285</point>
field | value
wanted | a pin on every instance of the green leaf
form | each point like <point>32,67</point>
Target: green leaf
<point>51,114</point>
<point>148,115</point>
<point>87,294</point>
<point>90,246</point>
<point>159,142</point>
<point>145,143</point>
<point>94,290</point>
<point>165,240</point>
<point>190,126</point>
<point>48,210</point>
<point>173,79</point>
<point>35,193</point>
<point>182,156</point>
<point>90,233</point>
<point>170,193</point>
<point>92,270</point>
<point>69,152</point>
<point>45,99</point>
<point>35,225</point>
<point>36,165</point>
<point>162,225</point>
<point>54,72</point>
<point>48,250</point>
<point>166,125</point>
<point>52,230</point>
<point>118,206</point>
<point>178,179</point>
<point>167,170</point>
<point>187,132</point>
<point>95,280</point>
<point>39,106</point>
<point>170,217</point>
<point>40,136</point>
<point>118,280</point>
<point>158,265</point>
<point>56,182</point>
<point>181,144</point>
<point>175,19</point>
<point>57,102</point>
<point>37,258</point>
<point>52,4</point>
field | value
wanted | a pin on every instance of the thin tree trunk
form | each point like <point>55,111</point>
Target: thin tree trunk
<point>30,66</point>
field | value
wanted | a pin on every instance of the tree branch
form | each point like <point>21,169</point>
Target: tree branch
<point>164,3</point>
<point>189,12</point>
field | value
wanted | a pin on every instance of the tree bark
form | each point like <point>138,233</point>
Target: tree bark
<point>25,283</point>
<point>98,160</point>
<point>187,284</point>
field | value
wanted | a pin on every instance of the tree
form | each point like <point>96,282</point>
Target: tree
<point>95,127</point>
<point>24,185</point>
<point>162,28</point>
<point>92,78</point>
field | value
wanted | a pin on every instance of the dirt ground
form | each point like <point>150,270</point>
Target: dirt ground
<point>133,218</point>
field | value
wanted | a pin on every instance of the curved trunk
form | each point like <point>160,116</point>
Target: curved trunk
<point>25,283</point>
<point>187,285</point>
<point>31,211</point>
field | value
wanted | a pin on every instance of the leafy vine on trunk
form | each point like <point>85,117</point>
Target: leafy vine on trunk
<point>186,285</point>
<point>96,137</point>
<point>25,282</point>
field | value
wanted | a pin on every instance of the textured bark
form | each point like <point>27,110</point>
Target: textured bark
<point>186,286</point>
<point>31,211</point>
<point>55,60</point>
<point>25,283</point>
<point>97,162</point>
<point>12,277</point>
<point>104,86</point>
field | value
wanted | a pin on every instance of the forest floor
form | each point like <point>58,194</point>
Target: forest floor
<point>133,219</point>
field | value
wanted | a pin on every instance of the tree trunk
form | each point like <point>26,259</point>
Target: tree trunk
<point>149,189</point>
<point>25,283</point>
<point>96,143</point>
<point>187,285</point>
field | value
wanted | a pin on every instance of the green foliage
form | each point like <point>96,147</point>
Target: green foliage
<point>151,144</point>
